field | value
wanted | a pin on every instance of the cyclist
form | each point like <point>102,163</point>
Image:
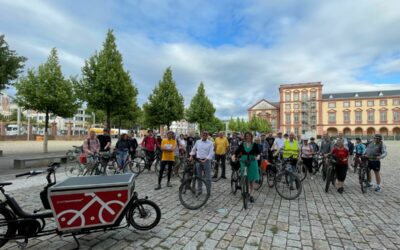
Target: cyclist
<point>133,145</point>
<point>342,155</point>
<point>203,150</point>
<point>221,146</point>
<point>270,141</point>
<point>375,151</point>
<point>149,143</point>
<point>307,153</point>
<point>91,146</point>
<point>249,151</point>
<point>350,146</point>
<point>264,147</point>
<point>105,140</point>
<point>234,143</point>
<point>190,141</point>
<point>291,149</point>
<point>168,147</point>
<point>359,152</point>
<point>326,146</point>
<point>314,145</point>
<point>123,147</point>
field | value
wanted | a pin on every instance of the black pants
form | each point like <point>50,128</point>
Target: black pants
<point>150,158</point>
<point>308,163</point>
<point>222,159</point>
<point>163,165</point>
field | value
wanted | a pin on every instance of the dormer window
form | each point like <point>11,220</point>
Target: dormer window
<point>380,94</point>
<point>356,95</point>
<point>330,96</point>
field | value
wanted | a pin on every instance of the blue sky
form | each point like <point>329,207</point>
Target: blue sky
<point>241,50</point>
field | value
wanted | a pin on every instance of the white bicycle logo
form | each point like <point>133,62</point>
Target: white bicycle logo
<point>79,214</point>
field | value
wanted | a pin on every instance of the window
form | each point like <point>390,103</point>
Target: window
<point>396,116</point>
<point>332,117</point>
<point>287,118</point>
<point>287,106</point>
<point>358,116</point>
<point>296,131</point>
<point>396,101</point>
<point>313,94</point>
<point>346,104</point>
<point>332,105</point>
<point>370,116</point>
<point>296,118</point>
<point>346,117</point>
<point>296,96</point>
<point>296,106</point>
<point>383,115</point>
<point>383,102</point>
<point>370,103</point>
<point>304,96</point>
<point>287,96</point>
<point>358,104</point>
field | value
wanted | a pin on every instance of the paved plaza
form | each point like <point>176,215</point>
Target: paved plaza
<point>317,220</point>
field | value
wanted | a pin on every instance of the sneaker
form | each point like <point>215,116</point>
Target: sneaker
<point>251,199</point>
<point>340,190</point>
<point>223,177</point>
<point>169,184</point>
<point>378,189</point>
<point>158,187</point>
<point>369,185</point>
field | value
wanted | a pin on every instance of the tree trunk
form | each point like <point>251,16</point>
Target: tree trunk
<point>46,126</point>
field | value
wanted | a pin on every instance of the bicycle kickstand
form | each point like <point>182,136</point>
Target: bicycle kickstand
<point>78,245</point>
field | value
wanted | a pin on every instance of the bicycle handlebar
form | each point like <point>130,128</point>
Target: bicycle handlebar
<point>30,173</point>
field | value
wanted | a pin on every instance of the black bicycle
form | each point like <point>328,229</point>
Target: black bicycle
<point>15,223</point>
<point>287,183</point>
<point>330,173</point>
<point>244,183</point>
<point>235,176</point>
<point>194,191</point>
<point>363,171</point>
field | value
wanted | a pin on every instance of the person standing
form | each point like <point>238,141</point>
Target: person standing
<point>203,150</point>
<point>221,146</point>
<point>249,154</point>
<point>314,145</point>
<point>133,146</point>
<point>91,146</point>
<point>105,140</point>
<point>306,154</point>
<point>234,143</point>
<point>359,152</point>
<point>168,147</point>
<point>149,144</point>
<point>123,147</point>
<point>350,145</point>
<point>342,155</point>
<point>375,152</point>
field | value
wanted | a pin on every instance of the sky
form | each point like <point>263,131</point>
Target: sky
<point>241,50</point>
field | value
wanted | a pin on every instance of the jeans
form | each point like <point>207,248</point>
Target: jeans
<point>121,158</point>
<point>203,170</point>
<point>163,165</point>
<point>220,160</point>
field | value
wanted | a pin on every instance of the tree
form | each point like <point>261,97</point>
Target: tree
<point>201,109</point>
<point>105,85</point>
<point>232,125</point>
<point>214,126</point>
<point>46,90</point>
<point>10,64</point>
<point>14,116</point>
<point>165,104</point>
<point>260,125</point>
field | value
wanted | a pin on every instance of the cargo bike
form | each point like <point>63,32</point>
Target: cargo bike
<point>79,205</point>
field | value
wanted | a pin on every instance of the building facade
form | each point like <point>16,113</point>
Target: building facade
<point>304,109</point>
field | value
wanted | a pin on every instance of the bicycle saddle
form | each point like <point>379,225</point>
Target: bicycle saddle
<point>2,184</point>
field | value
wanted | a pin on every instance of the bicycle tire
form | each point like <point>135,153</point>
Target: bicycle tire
<point>244,184</point>
<point>287,176</point>
<point>324,170</point>
<point>301,171</point>
<point>234,181</point>
<point>258,184</point>
<point>10,228</point>
<point>270,178</point>
<point>190,185</point>
<point>137,165</point>
<point>214,165</point>
<point>364,180</point>
<point>328,179</point>
<point>138,207</point>
<point>72,168</point>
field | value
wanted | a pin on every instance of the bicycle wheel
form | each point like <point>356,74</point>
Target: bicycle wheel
<point>157,167</point>
<point>301,171</point>
<point>328,179</point>
<point>144,214</point>
<point>137,165</point>
<point>72,167</point>
<point>270,177</point>
<point>214,171</point>
<point>234,181</point>
<point>288,185</point>
<point>363,180</point>
<point>8,229</point>
<point>324,170</point>
<point>244,184</point>
<point>194,193</point>
<point>258,184</point>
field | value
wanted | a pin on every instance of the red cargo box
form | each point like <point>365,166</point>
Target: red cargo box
<point>90,201</point>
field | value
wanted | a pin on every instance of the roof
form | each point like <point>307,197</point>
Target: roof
<point>264,104</point>
<point>300,85</point>
<point>383,93</point>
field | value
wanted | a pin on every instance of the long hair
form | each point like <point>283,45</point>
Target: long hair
<point>248,133</point>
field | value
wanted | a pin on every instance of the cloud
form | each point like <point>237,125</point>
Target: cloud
<point>241,50</point>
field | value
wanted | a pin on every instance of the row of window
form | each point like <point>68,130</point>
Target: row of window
<point>297,106</point>
<point>296,96</point>
<point>370,116</point>
<point>296,118</point>
<point>370,103</point>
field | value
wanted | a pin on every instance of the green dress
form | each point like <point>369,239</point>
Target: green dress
<point>252,171</point>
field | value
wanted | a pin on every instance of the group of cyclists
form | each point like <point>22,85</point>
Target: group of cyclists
<point>248,149</point>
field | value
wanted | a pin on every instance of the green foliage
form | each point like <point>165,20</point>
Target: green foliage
<point>165,104</point>
<point>10,64</point>
<point>201,109</point>
<point>214,126</point>
<point>232,125</point>
<point>260,125</point>
<point>105,85</point>
<point>14,117</point>
<point>46,90</point>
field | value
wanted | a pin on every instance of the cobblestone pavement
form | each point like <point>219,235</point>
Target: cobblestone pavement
<point>317,220</point>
